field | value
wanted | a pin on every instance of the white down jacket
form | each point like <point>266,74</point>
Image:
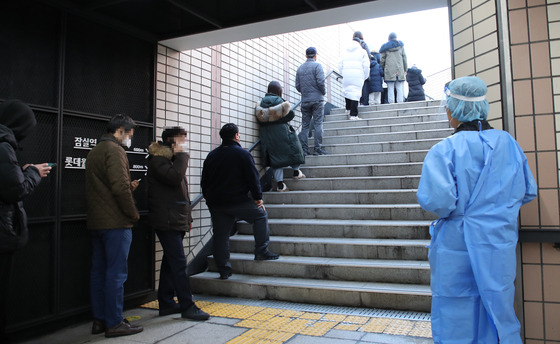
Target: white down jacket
<point>354,67</point>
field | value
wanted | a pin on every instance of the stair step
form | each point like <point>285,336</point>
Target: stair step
<point>411,249</point>
<point>349,211</point>
<point>384,137</point>
<point>366,270</point>
<point>362,128</point>
<point>387,196</point>
<point>366,158</point>
<point>398,169</point>
<point>339,293</point>
<point>366,112</point>
<point>372,229</point>
<point>369,147</point>
<point>428,117</point>
<point>350,183</point>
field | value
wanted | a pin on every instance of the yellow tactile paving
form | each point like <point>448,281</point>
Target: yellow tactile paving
<point>295,326</point>
<point>274,311</point>
<point>399,327</point>
<point>421,329</point>
<point>376,325</point>
<point>268,335</point>
<point>319,328</point>
<point>291,313</point>
<point>311,316</point>
<point>356,319</point>
<point>347,327</point>
<point>334,317</point>
<point>276,325</point>
<point>262,316</point>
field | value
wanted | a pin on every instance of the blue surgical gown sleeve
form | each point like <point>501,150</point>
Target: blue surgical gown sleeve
<point>437,191</point>
<point>530,184</point>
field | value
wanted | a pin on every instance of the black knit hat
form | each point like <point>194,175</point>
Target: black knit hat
<point>17,116</point>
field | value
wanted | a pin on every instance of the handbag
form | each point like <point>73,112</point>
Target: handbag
<point>13,227</point>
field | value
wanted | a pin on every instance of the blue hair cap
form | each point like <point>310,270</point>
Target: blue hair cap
<point>466,99</point>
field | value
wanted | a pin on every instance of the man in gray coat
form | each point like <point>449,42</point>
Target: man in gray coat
<point>310,82</point>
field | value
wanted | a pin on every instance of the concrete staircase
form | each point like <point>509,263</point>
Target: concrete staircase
<point>351,233</point>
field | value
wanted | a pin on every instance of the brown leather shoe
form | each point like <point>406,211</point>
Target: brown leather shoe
<point>123,329</point>
<point>98,327</point>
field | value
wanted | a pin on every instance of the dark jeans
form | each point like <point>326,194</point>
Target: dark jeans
<point>310,111</point>
<point>352,105</point>
<point>173,279</point>
<point>109,270</point>
<point>5,274</point>
<point>223,220</point>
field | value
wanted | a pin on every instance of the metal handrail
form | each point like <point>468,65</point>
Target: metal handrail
<point>199,198</point>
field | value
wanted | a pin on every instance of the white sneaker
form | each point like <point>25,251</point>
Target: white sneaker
<point>354,118</point>
<point>300,175</point>
<point>283,189</point>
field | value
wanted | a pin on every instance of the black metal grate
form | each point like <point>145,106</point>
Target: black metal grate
<point>75,253</point>
<point>29,55</point>
<point>108,72</point>
<point>79,136</point>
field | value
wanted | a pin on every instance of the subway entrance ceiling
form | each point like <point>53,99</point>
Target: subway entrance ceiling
<point>188,24</point>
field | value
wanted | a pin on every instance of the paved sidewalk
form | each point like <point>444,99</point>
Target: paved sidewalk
<point>239,321</point>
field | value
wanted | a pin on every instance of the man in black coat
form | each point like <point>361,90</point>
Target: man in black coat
<point>170,216</point>
<point>228,176</point>
<point>17,120</point>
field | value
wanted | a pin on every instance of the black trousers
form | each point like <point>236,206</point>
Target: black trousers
<point>223,220</point>
<point>5,274</point>
<point>173,278</point>
<point>352,105</point>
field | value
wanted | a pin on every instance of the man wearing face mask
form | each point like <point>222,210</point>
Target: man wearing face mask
<point>111,213</point>
<point>170,216</point>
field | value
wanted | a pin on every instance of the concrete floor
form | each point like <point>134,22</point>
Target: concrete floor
<point>242,321</point>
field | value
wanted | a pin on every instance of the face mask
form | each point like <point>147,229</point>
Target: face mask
<point>127,142</point>
<point>184,146</point>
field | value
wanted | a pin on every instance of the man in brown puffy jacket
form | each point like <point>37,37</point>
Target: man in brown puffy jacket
<point>111,213</point>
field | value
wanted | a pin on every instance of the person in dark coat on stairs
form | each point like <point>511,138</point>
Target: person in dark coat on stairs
<point>170,216</point>
<point>415,81</point>
<point>374,83</point>
<point>232,189</point>
<point>279,143</point>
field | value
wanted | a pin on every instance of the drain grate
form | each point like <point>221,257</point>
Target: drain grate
<point>304,307</point>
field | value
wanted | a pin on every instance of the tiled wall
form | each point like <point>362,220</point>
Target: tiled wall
<point>475,48</point>
<point>541,282</point>
<point>536,70</point>
<point>205,88</point>
<point>534,48</point>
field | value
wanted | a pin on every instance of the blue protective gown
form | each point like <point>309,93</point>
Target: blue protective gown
<point>475,182</point>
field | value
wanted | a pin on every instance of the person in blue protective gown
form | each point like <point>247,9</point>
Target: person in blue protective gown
<point>475,181</point>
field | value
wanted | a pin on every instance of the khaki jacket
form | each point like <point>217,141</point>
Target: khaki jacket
<point>110,204</point>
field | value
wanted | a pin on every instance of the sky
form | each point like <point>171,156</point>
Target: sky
<point>425,35</point>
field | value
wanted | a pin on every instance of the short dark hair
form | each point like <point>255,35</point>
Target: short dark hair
<point>274,87</point>
<point>171,132</point>
<point>228,131</point>
<point>120,120</point>
<point>359,35</point>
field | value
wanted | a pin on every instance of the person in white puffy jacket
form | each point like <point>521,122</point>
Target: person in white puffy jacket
<point>354,67</point>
